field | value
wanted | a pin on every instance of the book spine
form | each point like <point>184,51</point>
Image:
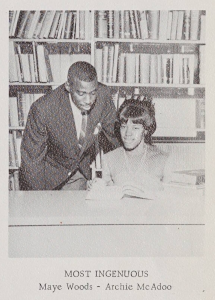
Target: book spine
<point>98,63</point>
<point>110,24</point>
<point>82,24</point>
<point>153,68</point>
<point>104,63</point>
<point>187,24</point>
<point>122,25</point>
<point>144,67</point>
<point>137,67</point>
<point>13,76</point>
<point>163,24</point>
<point>153,24</point>
<point>121,67</point>
<point>202,27</point>
<point>110,64</point>
<point>116,24</point>
<point>54,25</point>
<point>115,62</point>
<point>127,32</point>
<point>180,25</point>
<point>132,22</point>
<point>143,26</point>
<point>174,25</point>
<point>194,25</point>
<point>130,68</point>
<point>169,25</point>
<point>202,64</point>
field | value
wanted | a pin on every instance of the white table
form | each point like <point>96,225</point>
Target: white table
<point>64,224</point>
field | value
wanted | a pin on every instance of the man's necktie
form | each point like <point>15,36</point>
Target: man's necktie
<point>83,130</point>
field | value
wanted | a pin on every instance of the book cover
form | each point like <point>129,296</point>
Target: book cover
<point>196,177</point>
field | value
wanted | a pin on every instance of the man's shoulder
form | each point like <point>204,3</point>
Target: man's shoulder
<point>51,99</point>
<point>103,89</point>
<point>52,95</point>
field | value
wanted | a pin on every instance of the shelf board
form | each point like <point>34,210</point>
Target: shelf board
<point>178,141</point>
<point>50,40</point>
<point>149,41</point>
<point>156,85</point>
<point>35,83</point>
<point>16,127</point>
<point>151,85</point>
<point>13,168</point>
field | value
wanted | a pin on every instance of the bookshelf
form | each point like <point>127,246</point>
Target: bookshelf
<point>156,53</point>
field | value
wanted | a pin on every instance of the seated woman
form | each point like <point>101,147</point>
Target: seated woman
<point>137,163</point>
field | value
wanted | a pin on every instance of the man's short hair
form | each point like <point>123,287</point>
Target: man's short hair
<point>82,71</point>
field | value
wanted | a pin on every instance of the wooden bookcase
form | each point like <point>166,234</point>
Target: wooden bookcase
<point>103,36</point>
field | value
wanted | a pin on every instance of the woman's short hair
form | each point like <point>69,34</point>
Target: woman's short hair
<point>140,112</point>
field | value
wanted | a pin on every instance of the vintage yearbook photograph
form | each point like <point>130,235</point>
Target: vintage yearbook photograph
<point>106,160</point>
<point>106,132</point>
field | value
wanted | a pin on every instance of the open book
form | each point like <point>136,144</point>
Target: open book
<point>107,193</point>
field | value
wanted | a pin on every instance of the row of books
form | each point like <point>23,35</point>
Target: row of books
<point>13,182</point>
<point>49,24</point>
<point>151,24</point>
<point>15,139</point>
<point>40,66</point>
<point>19,108</point>
<point>115,67</point>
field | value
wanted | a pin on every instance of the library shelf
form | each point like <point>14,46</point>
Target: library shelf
<point>156,85</point>
<point>21,128</point>
<point>157,42</point>
<point>139,46</point>
<point>17,40</point>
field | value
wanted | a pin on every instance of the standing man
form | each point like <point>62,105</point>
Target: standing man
<point>57,146</point>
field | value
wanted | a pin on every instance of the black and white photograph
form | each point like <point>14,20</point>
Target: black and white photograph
<point>106,132</point>
<point>106,156</point>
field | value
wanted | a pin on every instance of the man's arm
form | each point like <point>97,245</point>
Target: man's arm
<point>33,152</point>
<point>108,121</point>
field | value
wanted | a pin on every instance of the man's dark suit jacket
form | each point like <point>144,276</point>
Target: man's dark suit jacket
<point>49,150</point>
